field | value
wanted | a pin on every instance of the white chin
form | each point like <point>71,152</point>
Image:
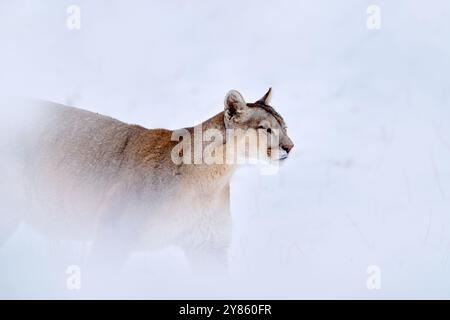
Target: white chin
<point>282,154</point>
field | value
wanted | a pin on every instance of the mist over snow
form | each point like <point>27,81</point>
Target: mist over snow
<point>367,183</point>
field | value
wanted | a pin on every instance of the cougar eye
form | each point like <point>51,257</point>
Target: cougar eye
<point>268,130</point>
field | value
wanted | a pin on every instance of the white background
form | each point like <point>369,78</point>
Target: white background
<point>368,182</point>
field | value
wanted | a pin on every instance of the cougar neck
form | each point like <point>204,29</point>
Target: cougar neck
<point>216,122</point>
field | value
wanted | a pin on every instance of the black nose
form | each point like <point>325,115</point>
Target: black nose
<point>287,147</point>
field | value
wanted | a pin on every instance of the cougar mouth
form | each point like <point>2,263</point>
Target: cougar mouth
<point>282,154</point>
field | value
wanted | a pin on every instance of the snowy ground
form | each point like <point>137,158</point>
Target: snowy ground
<point>368,182</point>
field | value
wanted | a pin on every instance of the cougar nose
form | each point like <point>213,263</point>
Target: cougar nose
<point>287,147</point>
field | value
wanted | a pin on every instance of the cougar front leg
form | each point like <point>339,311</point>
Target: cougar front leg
<point>207,246</point>
<point>114,233</point>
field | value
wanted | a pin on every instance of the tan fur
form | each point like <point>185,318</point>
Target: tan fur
<point>96,178</point>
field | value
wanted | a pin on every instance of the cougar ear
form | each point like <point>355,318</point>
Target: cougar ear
<point>234,104</point>
<point>266,98</point>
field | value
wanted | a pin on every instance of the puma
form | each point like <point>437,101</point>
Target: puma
<point>93,178</point>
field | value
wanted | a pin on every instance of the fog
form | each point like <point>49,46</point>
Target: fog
<point>367,183</point>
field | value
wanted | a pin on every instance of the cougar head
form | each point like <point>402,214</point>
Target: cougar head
<point>259,116</point>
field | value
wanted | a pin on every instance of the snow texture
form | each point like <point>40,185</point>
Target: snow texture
<point>368,181</point>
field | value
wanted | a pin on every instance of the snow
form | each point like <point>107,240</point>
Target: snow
<point>368,182</point>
